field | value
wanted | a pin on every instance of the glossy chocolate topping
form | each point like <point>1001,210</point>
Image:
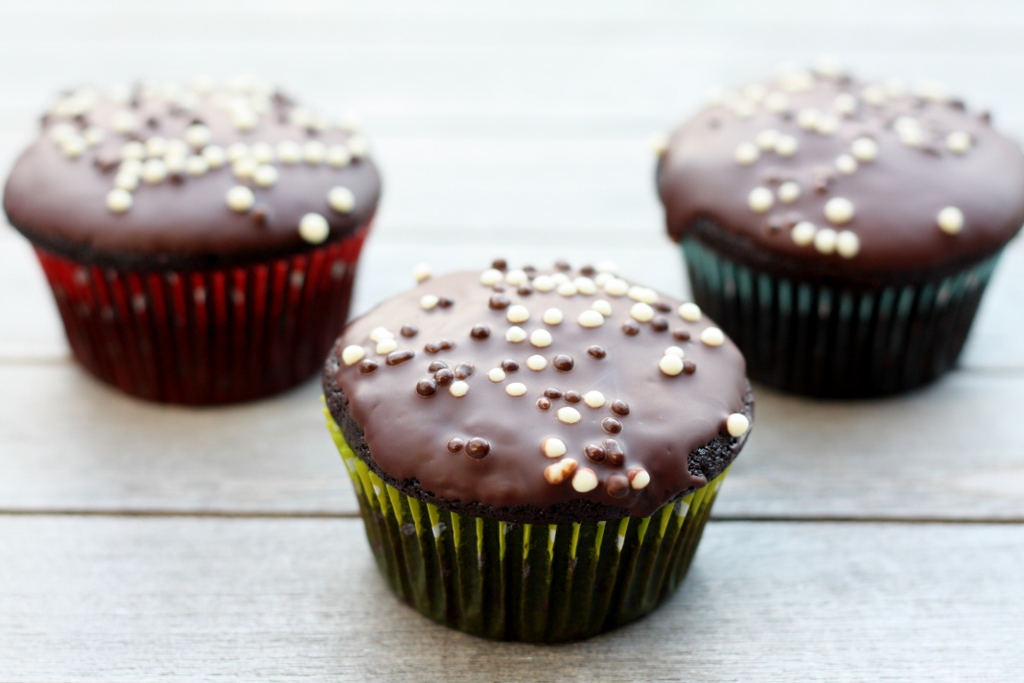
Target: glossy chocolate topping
<point>553,392</point>
<point>826,169</point>
<point>165,175</point>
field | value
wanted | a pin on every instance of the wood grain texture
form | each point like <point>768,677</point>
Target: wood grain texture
<point>135,600</point>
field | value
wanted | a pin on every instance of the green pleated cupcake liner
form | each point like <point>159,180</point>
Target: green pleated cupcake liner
<point>834,340</point>
<point>527,582</point>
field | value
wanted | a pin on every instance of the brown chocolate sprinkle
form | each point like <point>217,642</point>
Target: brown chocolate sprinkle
<point>563,265</point>
<point>659,324</point>
<point>597,351</point>
<point>368,366</point>
<point>573,396</point>
<point>631,328</point>
<point>689,367</point>
<point>530,270</point>
<point>446,344</point>
<point>107,160</point>
<point>620,407</point>
<point>399,357</point>
<point>588,271</point>
<point>611,425</point>
<point>662,307</point>
<point>445,302</point>
<point>258,216</point>
<point>525,290</point>
<point>498,287</point>
<point>499,264</point>
<point>509,365</point>
<point>498,302</point>
<point>409,330</point>
<point>455,444</point>
<point>544,403</point>
<point>480,332</point>
<point>563,363</point>
<point>432,347</point>
<point>617,486</point>
<point>426,387</point>
<point>595,453</point>
<point>616,456</point>
<point>437,365</point>
<point>464,370</point>
<point>552,392</point>
<point>681,335</point>
<point>478,448</point>
<point>444,376</point>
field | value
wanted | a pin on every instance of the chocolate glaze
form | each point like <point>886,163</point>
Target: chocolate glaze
<point>896,197</point>
<point>182,222</point>
<point>673,427</point>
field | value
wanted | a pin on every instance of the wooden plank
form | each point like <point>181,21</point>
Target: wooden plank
<point>121,599</point>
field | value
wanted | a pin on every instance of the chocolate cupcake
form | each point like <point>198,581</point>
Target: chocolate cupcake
<point>535,454</point>
<point>201,241</point>
<point>841,231</point>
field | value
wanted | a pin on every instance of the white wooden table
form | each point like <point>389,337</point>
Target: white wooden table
<point>855,541</point>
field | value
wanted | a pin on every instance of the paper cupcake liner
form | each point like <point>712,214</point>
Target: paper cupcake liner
<point>529,582</point>
<point>206,336</point>
<point>837,341</point>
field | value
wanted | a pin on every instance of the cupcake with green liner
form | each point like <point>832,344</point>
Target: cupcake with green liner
<point>841,231</point>
<point>535,454</point>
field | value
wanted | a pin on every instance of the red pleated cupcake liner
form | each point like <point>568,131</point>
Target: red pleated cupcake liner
<point>209,336</point>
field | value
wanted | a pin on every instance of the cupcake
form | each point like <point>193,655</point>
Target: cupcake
<point>535,454</point>
<point>841,231</point>
<point>201,241</point>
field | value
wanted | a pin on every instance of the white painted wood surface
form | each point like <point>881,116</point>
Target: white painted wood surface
<point>517,130</point>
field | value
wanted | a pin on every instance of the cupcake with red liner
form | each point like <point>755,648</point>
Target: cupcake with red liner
<point>201,241</point>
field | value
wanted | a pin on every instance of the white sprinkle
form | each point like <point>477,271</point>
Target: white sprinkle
<point>675,351</point>
<point>421,272</point>
<point>215,156</point>
<point>776,102</point>
<point>496,375</point>
<point>712,336</point>
<point>196,165</point>
<point>689,312</point>
<point>536,363</point>
<point>517,314</point>
<point>641,311</point>
<point>341,199</point>
<point>755,92</point>
<point>807,118</point>
<point>567,289</point>
<point>314,152</point>
<point>786,146</point>
<point>123,121</point>
<point>541,338</point>
<point>133,150</point>
<point>603,307</point>
<point>515,389</point>
<point>314,228</point>
<point>126,181</point>
<point>760,199</point>
<point>73,146</point>
<point>958,142</point>
<point>737,424</point>
<point>557,472</point>
<point>61,131</point>
<point>491,276</point>
<point>826,125</point>
<point>552,316</point>
<point>803,233</point>
<point>590,318</point>
<point>262,152</point>
<point>338,156</point>
<point>553,447</point>
<point>133,166</point>
<point>846,164</point>
<point>560,278</point>
<point>845,103</point>
<point>640,479</point>
<point>265,176</point>
<point>428,302</point>
<point>237,150</point>
<point>515,334</point>
<point>746,154</point>
<point>379,333</point>
<point>616,287</point>
<point>289,152</point>
<point>154,171</point>
<point>950,220</point>
<point>244,167</point>
<point>386,346</point>
<point>864,149</point>
<point>606,267</point>
<point>198,135</point>
<point>658,144</point>
<point>584,285</point>
<point>93,135</point>
<point>873,95</point>
<point>543,283</point>
<point>458,388</point>
<point>825,240</point>
<point>644,294</point>
<point>240,198</point>
<point>789,192</point>
<point>930,90</point>
<point>671,365</point>
<point>569,416</point>
<point>353,354</point>
<point>119,200</point>
<point>594,399</point>
<point>767,138</point>
<point>847,244</point>
<point>244,118</point>
<point>839,210</point>
<point>516,277</point>
<point>358,146</point>
<point>584,480</point>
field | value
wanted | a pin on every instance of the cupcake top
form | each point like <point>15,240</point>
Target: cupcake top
<point>539,397</point>
<point>846,174</point>
<point>167,175</point>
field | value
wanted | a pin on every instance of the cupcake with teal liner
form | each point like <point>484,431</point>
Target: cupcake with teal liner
<point>841,231</point>
<point>535,454</point>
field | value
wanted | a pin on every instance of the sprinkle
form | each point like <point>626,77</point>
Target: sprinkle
<point>536,363</point>
<point>675,351</point>
<point>491,276</point>
<point>380,333</point>
<point>789,192</point>
<point>341,199</point>
<point>864,149</point>
<point>737,424</point>
<point>244,167</point>
<point>620,407</point>
<point>154,171</point>
<point>671,365</point>
<point>358,146</point>
<point>569,416</point>
<point>845,103</point>
<point>776,102</point>
<point>873,94</point>
<point>262,152</point>
<point>289,152</point>
<point>517,314</point>
<point>846,164</point>
<point>560,471</point>
<point>847,244</point>
<point>950,220</point>
<point>958,142</point>
<point>73,146</point>
<point>689,312</point>
<point>553,447</point>
<point>584,480</point>
<point>119,200</point>
<point>746,153</point>
<point>786,146</point>
<point>265,176</point>
<point>803,233</point>
<point>515,389</point>
<point>353,354</point>
<point>237,150</point>
<point>397,357</point>
<point>563,363</point>
<point>807,118</point>
<point>480,332</point>
<point>839,210</point>
<point>616,287</point>
<point>368,366</point>
<point>590,318</point>
<point>338,156</point>
<point>123,121</point>
<point>496,375</point>
<point>313,228</point>
<point>458,389</point>
<point>613,452</point>
<point>766,139</point>
<point>760,199</point>
<point>515,334</point>
<point>196,165</point>
<point>543,283</point>
<point>386,345</point>
<point>314,152</point>
<point>421,272</point>
<point>712,336</point>
<point>567,289</point>
<point>638,478</point>
<point>428,302</point>
<point>826,125</point>
<point>541,338</point>
<point>478,448</point>
<point>644,294</point>
<point>641,311</point>
<point>240,198</point>
<point>594,399</point>
<point>215,156</point>
<point>825,240</point>
<point>516,277</point>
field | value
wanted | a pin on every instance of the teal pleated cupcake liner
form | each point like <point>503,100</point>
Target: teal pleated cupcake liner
<point>527,582</point>
<point>835,340</point>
